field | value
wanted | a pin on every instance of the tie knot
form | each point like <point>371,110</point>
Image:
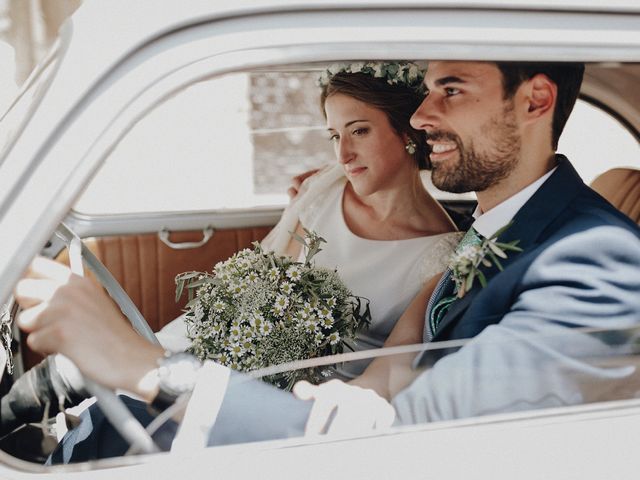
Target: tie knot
<point>472,237</point>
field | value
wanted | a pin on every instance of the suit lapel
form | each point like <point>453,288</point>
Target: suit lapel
<point>541,209</point>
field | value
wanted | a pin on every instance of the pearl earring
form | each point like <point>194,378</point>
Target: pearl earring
<point>410,147</point>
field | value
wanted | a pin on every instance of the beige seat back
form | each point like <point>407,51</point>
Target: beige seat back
<point>621,187</point>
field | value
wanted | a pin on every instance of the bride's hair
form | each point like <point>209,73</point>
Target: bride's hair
<point>398,102</point>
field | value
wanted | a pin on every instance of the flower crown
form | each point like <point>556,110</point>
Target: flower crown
<point>395,73</point>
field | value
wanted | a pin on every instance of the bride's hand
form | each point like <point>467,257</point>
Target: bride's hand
<point>343,409</point>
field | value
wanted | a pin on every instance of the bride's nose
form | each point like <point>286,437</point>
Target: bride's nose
<point>345,151</point>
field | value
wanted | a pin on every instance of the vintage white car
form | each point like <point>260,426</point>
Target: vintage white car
<point>165,135</point>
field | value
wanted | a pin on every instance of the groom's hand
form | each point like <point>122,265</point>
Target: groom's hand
<point>68,314</point>
<point>343,409</point>
<point>296,182</point>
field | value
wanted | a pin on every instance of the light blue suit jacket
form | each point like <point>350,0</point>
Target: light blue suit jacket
<point>580,267</point>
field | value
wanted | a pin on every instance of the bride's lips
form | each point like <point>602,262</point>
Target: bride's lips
<point>355,171</point>
<point>441,150</point>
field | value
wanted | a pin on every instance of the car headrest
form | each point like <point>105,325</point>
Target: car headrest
<point>621,187</point>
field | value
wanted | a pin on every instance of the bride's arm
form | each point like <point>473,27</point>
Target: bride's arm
<point>389,375</point>
<point>279,239</point>
<point>294,247</point>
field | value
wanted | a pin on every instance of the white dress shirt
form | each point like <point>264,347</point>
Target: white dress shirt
<point>487,223</point>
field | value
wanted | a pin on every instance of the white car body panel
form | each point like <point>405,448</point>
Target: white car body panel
<point>142,52</point>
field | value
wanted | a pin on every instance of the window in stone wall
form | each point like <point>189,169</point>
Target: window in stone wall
<point>288,128</point>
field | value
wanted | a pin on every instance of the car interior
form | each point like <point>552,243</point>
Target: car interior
<point>139,220</point>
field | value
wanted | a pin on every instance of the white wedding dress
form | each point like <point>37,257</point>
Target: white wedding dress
<point>388,273</point>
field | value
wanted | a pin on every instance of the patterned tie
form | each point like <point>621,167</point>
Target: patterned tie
<point>444,294</point>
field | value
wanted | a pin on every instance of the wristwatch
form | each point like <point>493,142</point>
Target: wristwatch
<point>177,374</point>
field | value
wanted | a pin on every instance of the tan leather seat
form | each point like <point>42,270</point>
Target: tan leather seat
<point>146,267</point>
<point>621,187</point>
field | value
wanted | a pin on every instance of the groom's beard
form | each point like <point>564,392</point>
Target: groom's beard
<point>475,171</point>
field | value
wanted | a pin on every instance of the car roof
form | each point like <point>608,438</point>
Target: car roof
<point>120,25</point>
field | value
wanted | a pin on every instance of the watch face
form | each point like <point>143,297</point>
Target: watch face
<point>178,373</point>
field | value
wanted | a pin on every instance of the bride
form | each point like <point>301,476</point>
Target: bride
<point>386,236</point>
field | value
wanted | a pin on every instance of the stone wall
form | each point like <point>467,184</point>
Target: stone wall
<point>289,134</point>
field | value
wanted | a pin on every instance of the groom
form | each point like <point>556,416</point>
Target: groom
<point>492,128</point>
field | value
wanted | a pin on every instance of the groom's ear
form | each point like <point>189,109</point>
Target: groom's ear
<point>540,94</point>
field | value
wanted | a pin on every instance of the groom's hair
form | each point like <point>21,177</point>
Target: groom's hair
<point>398,102</point>
<point>566,76</point>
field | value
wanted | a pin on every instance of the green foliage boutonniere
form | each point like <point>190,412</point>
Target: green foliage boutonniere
<point>466,262</point>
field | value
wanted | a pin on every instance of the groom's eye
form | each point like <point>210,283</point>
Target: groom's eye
<point>450,91</point>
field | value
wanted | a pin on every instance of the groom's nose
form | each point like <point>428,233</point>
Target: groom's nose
<point>426,117</point>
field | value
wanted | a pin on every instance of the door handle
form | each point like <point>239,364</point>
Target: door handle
<point>207,233</point>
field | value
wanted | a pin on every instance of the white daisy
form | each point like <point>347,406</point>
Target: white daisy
<point>273,274</point>
<point>266,328</point>
<point>236,349</point>
<point>234,333</point>
<point>218,306</point>
<point>282,301</point>
<point>306,310</point>
<point>293,272</point>
<point>256,320</point>
<point>286,288</point>
<point>357,67</point>
<point>327,322</point>
<point>335,68</point>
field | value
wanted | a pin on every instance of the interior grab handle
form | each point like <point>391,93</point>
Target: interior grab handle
<point>207,233</point>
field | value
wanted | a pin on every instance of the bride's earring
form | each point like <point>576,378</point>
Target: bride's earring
<point>410,147</point>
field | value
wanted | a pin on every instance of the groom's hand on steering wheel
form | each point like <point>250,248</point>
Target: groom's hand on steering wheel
<point>68,314</point>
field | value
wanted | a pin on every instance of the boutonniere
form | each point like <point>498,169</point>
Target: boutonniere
<point>467,261</point>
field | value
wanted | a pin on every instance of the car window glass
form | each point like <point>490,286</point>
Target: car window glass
<point>496,372</point>
<point>230,142</point>
<point>235,142</point>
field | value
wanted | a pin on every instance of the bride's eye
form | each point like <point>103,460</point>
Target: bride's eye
<point>360,131</point>
<point>334,137</point>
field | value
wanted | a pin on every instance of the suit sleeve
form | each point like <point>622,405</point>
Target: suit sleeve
<point>536,356</point>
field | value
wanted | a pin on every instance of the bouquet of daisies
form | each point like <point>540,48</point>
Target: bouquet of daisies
<point>259,309</point>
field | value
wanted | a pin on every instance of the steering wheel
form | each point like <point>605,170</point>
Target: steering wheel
<point>112,407</point>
